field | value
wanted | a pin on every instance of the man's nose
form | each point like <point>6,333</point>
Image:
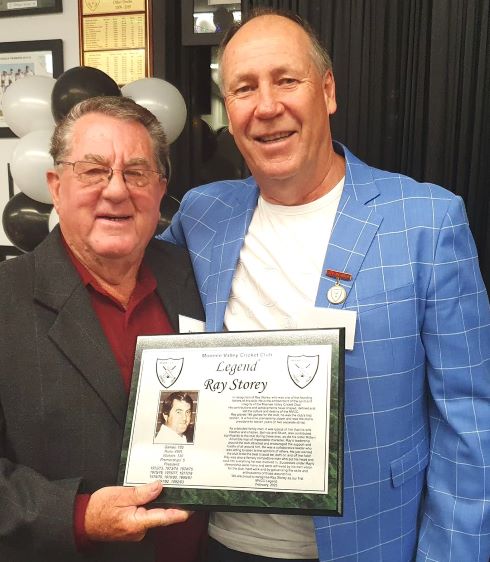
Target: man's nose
<point>268,102</point>
<point>116,187</point>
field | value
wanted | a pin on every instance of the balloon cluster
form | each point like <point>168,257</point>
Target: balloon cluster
<point>31,108</point>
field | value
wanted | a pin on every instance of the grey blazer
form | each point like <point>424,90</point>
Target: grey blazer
<point>62,400</point>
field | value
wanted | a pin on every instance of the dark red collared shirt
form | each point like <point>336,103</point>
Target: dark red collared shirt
<point>144,315</point>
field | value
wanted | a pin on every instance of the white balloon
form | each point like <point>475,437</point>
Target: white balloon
<point>163,100</point>
<point>26,104</point>
<point>30,162</point>
<point>53,220</point>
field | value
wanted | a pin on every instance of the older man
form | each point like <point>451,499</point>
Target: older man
<point>71,311</point>
<point>316,228</point>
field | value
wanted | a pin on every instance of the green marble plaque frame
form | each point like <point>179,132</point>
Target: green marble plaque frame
<point>251,500</point>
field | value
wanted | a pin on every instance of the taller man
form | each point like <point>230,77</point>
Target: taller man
<point>312,216</point>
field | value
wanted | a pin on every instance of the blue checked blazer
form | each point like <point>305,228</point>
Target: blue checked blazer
<point>417,409</point>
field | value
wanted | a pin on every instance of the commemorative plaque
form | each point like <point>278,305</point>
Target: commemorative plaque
<point>239,421</point>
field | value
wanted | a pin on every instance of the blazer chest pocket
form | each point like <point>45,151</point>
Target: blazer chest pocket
<point>386,321</point>
<point>399,295</point>
<point>409,464</point>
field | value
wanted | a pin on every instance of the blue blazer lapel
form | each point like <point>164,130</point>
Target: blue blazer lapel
<point>231,229</point>
<point>354,228</point>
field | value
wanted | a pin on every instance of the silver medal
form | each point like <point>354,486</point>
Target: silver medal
<point>336,294</point>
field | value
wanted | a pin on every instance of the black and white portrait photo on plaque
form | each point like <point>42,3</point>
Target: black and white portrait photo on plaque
<point>176,418</point>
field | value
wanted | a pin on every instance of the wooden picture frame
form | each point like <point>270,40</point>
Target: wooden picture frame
<point>116,38</point>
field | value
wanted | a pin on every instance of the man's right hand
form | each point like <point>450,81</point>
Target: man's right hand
<point>116,513</point>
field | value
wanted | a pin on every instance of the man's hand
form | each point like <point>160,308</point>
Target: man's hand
<point>114,513</point>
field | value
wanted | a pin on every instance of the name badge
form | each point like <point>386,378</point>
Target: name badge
<point>189,325</point>
<point>316,317</point>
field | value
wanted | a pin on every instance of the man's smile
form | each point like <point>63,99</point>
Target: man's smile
<point>274,137</point>
<point>114,218</point>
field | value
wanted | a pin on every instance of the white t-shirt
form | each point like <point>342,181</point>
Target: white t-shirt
<point>277,276</point>
<point>167,435</point>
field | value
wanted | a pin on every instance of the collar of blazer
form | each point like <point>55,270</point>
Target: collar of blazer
<point>56,279</point>
<point>75,328</point>
<point>355,226</point>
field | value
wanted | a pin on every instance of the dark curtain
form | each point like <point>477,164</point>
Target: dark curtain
<point>187,68</point>
<point>200,155</point>
<point>413,90</point>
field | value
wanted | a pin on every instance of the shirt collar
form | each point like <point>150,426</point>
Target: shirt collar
<point>145,281</point>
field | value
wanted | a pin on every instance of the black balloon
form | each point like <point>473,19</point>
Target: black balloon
<point>77,84</point>
<point>25,221</point>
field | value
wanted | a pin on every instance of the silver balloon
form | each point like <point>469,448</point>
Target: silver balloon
<point>26,104</point>
<point>30,162</point>
<point>163,100</point>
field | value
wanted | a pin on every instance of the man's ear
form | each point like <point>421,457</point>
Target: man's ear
<point>163,187</point>
<point>230,126</point>
<point>165,419</point>
<point>329,92</point>
<point>53,181</point>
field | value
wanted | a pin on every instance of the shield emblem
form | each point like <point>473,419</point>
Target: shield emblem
<point>337,294</point>
<point>168,370</point>
<point>92,5</point>
<point>302,369</point>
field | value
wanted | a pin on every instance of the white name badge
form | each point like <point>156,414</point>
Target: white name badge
<point>189,325</point>
<point>330,318</point>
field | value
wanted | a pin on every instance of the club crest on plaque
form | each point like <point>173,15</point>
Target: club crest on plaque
<point>302,369</point>
<point>92,5</point>
<point>168,371</point>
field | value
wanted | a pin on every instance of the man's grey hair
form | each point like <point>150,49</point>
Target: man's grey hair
<point>119,107</point>
<point>319,54</point>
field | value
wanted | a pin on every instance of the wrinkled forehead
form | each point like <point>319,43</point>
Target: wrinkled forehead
<point>96,124</point>
<point>270,37</point>
<point>96,133</point>
<point>264,29</point>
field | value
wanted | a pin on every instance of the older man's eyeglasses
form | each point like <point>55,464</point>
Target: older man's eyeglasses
<point>91,173</point>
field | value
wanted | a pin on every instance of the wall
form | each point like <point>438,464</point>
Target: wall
<point>31,28</point>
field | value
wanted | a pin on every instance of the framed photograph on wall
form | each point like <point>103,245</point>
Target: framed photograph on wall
<point>29,8</point>
<point>27,58</point>
<point>205,22</point>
